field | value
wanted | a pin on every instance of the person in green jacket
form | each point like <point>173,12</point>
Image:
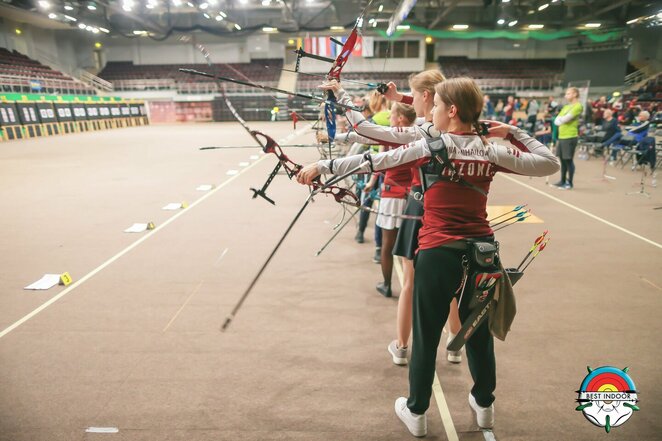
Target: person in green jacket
<point>568,124</point>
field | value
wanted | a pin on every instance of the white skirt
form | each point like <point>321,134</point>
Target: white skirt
<point>387,208</point>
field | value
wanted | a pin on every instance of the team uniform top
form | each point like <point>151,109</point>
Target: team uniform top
<point>454,211</point>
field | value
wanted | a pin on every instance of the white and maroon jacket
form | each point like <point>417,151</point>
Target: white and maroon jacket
<point>366,132</point>
<point>454,211</point>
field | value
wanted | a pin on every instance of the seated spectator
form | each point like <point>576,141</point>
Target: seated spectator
<point>637,132</point>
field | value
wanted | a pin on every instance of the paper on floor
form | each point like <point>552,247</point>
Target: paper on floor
<point>136,228</point>
<point>46,282</point>
<point>173,206</point>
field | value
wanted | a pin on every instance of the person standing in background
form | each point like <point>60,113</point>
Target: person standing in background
<point>568,124</point>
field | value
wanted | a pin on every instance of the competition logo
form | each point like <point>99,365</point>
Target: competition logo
<point>607,397</point>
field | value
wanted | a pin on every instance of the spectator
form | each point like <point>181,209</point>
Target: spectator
<point>532,115</point>
<point>568,123</point>
<point>488,108</point>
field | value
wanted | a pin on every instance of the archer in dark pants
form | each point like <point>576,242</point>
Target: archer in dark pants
<point>437,277</point>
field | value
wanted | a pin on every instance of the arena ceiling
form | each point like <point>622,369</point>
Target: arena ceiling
<point>161,18</point>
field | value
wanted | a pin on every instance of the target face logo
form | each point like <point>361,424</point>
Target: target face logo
<point>607,397</point>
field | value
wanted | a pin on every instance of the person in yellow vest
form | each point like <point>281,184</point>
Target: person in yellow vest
<point>568,124</point>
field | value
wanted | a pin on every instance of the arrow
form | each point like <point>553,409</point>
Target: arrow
<point>520,219</point>
<point>542,247</point>
<point>271,89</point>
<point>518,208</point>
<point>520,214</point>
<point>537,242</point>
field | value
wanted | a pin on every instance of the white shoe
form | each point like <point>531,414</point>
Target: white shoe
<point>417,424</point>
<point>399,354</point>
<point>453,356</point>
<point>484,415</point>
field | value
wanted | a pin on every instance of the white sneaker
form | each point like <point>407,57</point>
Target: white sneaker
<point>399,354</point>
<point>484,415</point>
<point>453,356</point>
<point>417,424</point>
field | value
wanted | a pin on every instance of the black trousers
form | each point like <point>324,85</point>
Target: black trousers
<point>437,277</point>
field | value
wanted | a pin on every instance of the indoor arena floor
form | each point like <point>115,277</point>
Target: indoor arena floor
<point>134,345</point>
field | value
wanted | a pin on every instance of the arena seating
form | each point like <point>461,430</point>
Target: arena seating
<point>18,73</point>
<point>309,84</point>
<point>129,76</point>
<point>506,75</point>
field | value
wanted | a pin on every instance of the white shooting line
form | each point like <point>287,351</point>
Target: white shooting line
<point>126,250</point>
<point>574,207</point>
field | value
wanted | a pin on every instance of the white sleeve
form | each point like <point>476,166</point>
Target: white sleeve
<point>374,133</point>
<point>559,120</point>
<point>523,154</point>
<point>380,161</point>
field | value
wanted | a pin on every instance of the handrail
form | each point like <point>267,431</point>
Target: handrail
<point>94,81</point>
<point>24,84</point>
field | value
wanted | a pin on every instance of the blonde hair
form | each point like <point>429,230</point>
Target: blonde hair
<point>574,90</point>
<point>406,111</point>
<point>425,81</point>
<point>466,96</point>
<point>377,102</point>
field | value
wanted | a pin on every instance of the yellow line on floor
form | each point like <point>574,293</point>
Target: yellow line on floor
<point>591,215</point>
<point>147,235</point>
<point>440,398</point>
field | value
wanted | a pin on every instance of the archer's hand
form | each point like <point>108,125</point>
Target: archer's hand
<point>497,129</point>
<point>332,85</point>
<point>308,174</point>
<point>392,92</point>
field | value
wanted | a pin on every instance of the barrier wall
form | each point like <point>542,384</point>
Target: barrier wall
<point>28,116</point>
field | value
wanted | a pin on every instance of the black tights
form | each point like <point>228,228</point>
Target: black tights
<point>567,168</point>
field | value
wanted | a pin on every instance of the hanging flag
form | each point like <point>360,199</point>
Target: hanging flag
<point>368,47</point>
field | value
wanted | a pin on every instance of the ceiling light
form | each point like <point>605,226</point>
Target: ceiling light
<point>516,45</point>
<point>290,41</point>
<point>372,20</point>
<point>204,6</point>
<point>95,30</point>
<point>52,16</point>
<point>554,1</point>
<point>501,21</point>
<point>266,2</point>
<point>237,27</point>
<point>337,28</point>
<point>68,7</point>
<point>44,4</point>
<point>512,23</point>
<point>428,39</point>
<point>81,25</point>
<point>88,28</point>
<point>402,27</point>
<point>104,30</point>
<point>593,25</point>
<point>70,18</point>
<point>190,5</point>
<point>212,2</point>
<point>269,29</point>
<point>97,45</point>
<point>536,26</point>
<point>460,27</point>
<point>139,32</point>
<point>381,8</point>
<point>219,18</point>
<point>374,24</point>
<point>531,11</point>
<point>18,31</point>
<point>91,6</point>
<point>543,7</point>
<point>149,6</point>
<point>243,2</point>
<point>505,1</point>
<point>177,2</point>
<point>223,14</point>
<point>634,20</point>
<point>206,15</point>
